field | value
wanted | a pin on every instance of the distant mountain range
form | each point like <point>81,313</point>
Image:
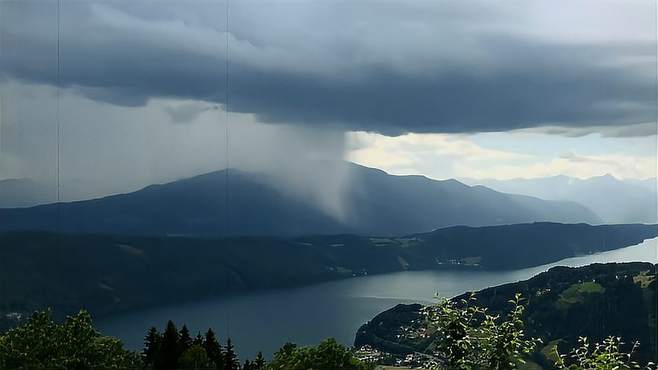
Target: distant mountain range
<point>594,301</point>
<point>376,204</point>
<point>110,273</point>
<point>614,200</point>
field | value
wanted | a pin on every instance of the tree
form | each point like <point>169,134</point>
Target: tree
<point>195,357</point>
<point>151,346</point>
<point>247,365</point>
<point>198,340</point>
<point>213,349</point>
<point>169,349</point>
<point>184,341</point>
<point>259,363</point>
<point>471,338</point>
<point>328,355</point>
<point>505,340</point>
<point>41,343</point>
<point>287,351</point>
<point>230,358</point>
<point>607,355</point>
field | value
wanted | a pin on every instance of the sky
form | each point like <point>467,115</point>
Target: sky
<point>153,91</point>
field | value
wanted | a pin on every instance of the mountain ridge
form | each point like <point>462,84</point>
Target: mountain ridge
<point>376,203</point>
<point>612,199</point>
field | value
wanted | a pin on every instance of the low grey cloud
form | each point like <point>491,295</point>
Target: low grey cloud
<point>621,131</point>
<point>188,112</point>
<point>387,67</point>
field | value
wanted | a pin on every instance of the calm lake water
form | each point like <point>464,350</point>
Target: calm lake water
<point>266,320</point>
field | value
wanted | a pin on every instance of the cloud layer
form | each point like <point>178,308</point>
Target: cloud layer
<point>443,156</point>
<point>385,66</point>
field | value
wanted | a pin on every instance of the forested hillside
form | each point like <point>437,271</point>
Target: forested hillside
<point>106,274</point>
<point>596,301</point>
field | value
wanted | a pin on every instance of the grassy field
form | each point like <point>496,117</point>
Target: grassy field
<point>577,293</point>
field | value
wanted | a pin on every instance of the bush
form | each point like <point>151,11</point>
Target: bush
<point>471,338</point>
<point>195,357</point>
<point>328,355</point>
<point>607,355</point>
<point>41,343</point>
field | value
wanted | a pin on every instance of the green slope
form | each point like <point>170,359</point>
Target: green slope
<point>595,301</point>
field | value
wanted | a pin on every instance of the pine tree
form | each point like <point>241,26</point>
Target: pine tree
<point>169,354</point>
<point>230,358</point>
<point>184,341</point>
<point>259,363</point>
<point>247,365</point>
<point>198,340</point>
<point>151,346</point>
<point>213,349</point>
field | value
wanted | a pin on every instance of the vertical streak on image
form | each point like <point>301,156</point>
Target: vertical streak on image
<point>57,119</point>
<point>655,174</point>
<point>226,129</point>
<point>226,148</point>
<point>2,89</point>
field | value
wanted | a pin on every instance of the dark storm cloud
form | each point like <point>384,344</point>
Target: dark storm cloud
<point>386,67</point>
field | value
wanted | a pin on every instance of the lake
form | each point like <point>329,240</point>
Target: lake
<point>266,320</point>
